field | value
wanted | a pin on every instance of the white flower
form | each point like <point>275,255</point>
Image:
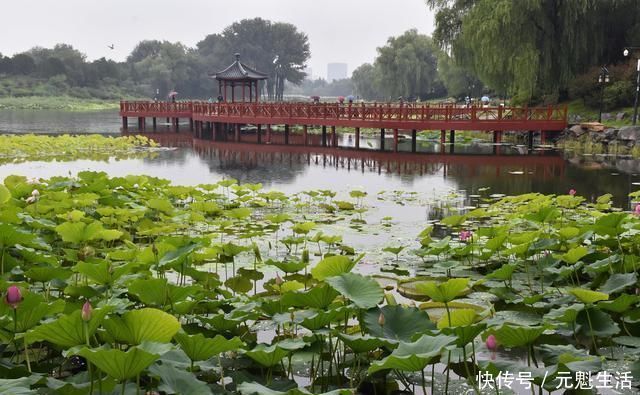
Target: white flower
<point>31,199</point>
<point>35,193</point>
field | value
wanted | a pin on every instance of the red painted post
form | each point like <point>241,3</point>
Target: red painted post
<point>259,133</point>
<point>357,138</point>
<point>543,137</point>
<point>395,140</point>
<point>497,136</point>
<point>304,134</point>
<point>443,137</point>
<point>269,134</point>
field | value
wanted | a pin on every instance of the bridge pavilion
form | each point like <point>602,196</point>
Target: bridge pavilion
<point>239,76</point>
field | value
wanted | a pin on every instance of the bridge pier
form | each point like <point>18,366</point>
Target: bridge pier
<point>236,137</point>
<point>334,140</point>
<point>414,135</point>
<point>259,133</point>
<point>452,137</point>
<point>357,138</point>
<point>443,139</point>
<point>268,133</point>
<point>543,137</point>
<point>530,140</point>
<point>497,136</point>
<point>191,124</point>
<point>176,125</point>
<point>395,140</point>
<point>155,124</point>
<point>141,122</point>
<point>305,135</point>
<point>324,136</point>
<point>286,134</point>
<point>382,139</point>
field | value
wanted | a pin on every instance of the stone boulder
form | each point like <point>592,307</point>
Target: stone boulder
<point>610,134</point>
<point>620,116</point>
<point>629,133</point>
<point>576,131</point>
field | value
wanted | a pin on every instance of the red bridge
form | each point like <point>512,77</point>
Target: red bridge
<point>216,120</point>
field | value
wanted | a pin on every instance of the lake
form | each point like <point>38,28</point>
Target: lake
<point>473,167</point>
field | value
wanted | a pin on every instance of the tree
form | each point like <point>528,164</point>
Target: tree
<point>22,64</point>
<point>534,48</point>
<point>366,82</point>
<point>408,66</point>
<point>277,49</point>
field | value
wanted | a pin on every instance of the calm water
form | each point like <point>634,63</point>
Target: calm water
<point>471,168</point>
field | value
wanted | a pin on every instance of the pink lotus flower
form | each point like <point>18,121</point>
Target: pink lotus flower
<point>637,210</point>
<point>572,192</point>
<point>492,345</point>
<point>14,296</point>
<point>465,235</point>
<point>86,311</point>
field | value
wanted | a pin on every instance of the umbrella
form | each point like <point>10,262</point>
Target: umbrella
<point>484,98</point>
<point>172,94</point>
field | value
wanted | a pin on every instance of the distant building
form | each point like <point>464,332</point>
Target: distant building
<point>309,72</point>
<point>336,71</point>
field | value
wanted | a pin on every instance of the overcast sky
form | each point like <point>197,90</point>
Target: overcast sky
<point>339,30</point>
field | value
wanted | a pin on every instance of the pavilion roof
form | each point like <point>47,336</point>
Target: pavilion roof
<point>238,71</point>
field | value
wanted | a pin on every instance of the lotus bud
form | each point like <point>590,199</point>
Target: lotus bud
<point>35,193</point>
<point>572,192</point>
<point>279,280</point>
<point>31,199</point>
<point>381,319</point>
<point>492,343</point>
<point>14,296</point>
<point>86,311</point>
<point>154,249</point>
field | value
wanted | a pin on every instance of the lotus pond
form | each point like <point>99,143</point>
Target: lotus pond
<point>133,284</point>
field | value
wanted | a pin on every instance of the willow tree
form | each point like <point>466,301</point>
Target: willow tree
<point>533,47</point>
<point>407,66</point>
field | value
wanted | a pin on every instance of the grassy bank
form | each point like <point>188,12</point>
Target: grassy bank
<point>588,114</point>
<point>56,103</point>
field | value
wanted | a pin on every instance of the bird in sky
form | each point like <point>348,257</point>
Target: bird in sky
<point>111,46</point>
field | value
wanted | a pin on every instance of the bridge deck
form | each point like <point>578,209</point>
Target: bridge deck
<point>363,115</point>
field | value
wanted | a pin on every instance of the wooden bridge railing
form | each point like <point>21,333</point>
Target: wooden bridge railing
<point>366,112</point>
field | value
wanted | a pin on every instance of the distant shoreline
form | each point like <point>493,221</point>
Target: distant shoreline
<point>64,103</point>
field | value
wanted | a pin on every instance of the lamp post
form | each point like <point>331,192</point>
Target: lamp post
<point>603,78</point>
<point>635,104</point>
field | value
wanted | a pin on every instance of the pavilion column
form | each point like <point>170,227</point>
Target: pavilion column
<point>357,138</point>
<point>305,135</point>
<point>414,134</point>
<point>233,92</point>
<point>125,123</point>
<point>224,95</point>
<point>250,89</point>
<point>243,98</point>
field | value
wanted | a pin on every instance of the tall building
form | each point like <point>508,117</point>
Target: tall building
<point>309,72</point>
<point>336,71</point>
